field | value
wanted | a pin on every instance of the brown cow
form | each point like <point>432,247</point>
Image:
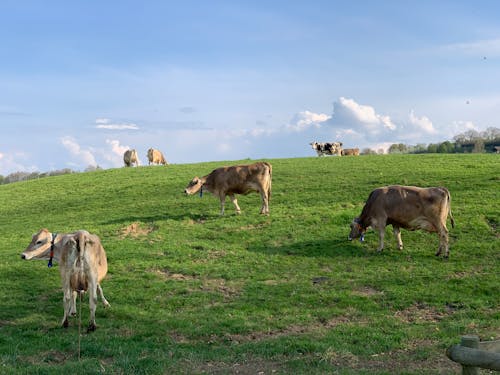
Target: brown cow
<point>406,207</point>
<point>82,264</point>
<point>238,179</point>
<point>156,157</point>
<point>350,151</point>
<point>130,158</point>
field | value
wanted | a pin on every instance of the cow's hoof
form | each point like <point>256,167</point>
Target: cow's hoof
<point>65,324</point>
<point>91,327</point>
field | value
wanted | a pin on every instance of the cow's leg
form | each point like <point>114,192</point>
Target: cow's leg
<point>222,198</point>
<point>67,297</point>
<point>264,194</point>
<point>235,202</point>
<point>104,300</point>
<point>397,234</point>
<point>92,305</point>
<point>72,311</point>
<point>381,234</point>
<point>443,241</point>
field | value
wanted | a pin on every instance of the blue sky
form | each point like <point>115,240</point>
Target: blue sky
<point>82,81</point>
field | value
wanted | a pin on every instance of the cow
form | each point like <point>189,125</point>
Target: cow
<point>327,148</point>
<point>238,179</point>
<point>156,157</point>
<point>82,264</point>
<point>408,207</point>
<point>350,151</point>
<point>130,158</point>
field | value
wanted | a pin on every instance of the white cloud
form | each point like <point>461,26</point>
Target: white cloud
<point>422,123</point>
<point>107,124</point>
<point>74,148</point>
<point>307,119</point>
<point>115,157</point>
<point>351,115</point>
<point>118,126</point>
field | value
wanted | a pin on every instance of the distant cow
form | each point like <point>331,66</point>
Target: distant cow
<point>406,207</point>
<point>239,179</point>
<point>327,148</point>
<point>350,151</point>
<point>130,158</point>
<point>156,157</point>
<point>82,264</point>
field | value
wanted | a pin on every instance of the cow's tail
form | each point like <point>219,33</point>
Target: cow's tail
<point>449,209</point>
<point>270,180</point>
<point>80,282</point>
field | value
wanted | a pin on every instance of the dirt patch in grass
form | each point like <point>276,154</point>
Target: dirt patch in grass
<point>52,356</point>
<point>366,291</point>
<point>168,275</point>
<point>493,224</point>
<point>207,284</point>
<point>418,357</point>
<point>137,230</point>
<point>408,360</point>
<point>421,313</point>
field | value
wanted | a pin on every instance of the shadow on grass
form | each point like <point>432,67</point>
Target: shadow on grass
<point>317,248</point>
<point>160,217</point>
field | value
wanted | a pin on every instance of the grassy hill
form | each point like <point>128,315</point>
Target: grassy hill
<point>192,292</point>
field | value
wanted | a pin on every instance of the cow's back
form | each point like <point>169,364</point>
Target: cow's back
<point>239,179</point>
<point>408,207</point>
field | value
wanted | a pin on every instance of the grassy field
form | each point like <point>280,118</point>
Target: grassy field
<point>192,292</point>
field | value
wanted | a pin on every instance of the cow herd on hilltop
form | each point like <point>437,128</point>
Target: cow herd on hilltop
<point>82,259</point>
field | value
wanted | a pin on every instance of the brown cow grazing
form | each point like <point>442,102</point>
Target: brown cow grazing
<point>239,179</point>
<point>130,158</point>
<point>406,207</point>
<point>156,157</point>
<point>82,264</point>
<point>350,151</point>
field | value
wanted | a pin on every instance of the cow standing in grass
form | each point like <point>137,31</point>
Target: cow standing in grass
<point>82,264</point>
<point>239,179</point>
<point>130,158</point>
<point>156,157</point>
<point>350,152</point>
<point>406,207</point>
<point>327,148</point>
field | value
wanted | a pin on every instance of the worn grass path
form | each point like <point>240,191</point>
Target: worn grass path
<point>192,292</point>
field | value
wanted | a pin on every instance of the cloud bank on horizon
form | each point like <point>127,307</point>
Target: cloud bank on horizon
<point>354,124</point>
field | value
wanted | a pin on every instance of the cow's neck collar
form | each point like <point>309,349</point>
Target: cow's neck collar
<point>52,245</point>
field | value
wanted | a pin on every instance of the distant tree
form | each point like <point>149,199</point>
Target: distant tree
<point>397,148</point>
<point>92,168</point>
<point>432,148</point>
<point>368,151</point>
<point>491,134</point>
<point>446,148</point>
<point>478,146</point>
<point>420,148</point>
<point>1,179</point>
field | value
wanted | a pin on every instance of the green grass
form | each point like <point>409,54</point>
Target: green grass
<point>192,292</point>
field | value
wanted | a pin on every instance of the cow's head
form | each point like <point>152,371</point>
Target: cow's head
<point>194,186</point>
<point>357,230</point>
<point>39,247</point>
<point>314,145</point>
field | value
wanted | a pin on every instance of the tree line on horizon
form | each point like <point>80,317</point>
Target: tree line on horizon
<point>470,141</point>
